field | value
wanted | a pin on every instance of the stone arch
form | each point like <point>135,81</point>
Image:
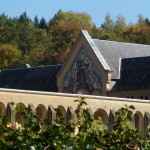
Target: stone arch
<point>138,120</point>
<point>19,116</point>
<point>2,109</point>
<point>101,113</point>
<point>41,111</point>
<point>146,122</point>
<point>70,114</point>
<point>62,111</point>
<point>51,114</point>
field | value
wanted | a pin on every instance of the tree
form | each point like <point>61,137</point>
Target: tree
<point>64,29</point>
<point>3,19</point>
<point>70,15</point>
<point>23,18</point>
<point>141,19</point>
<point>7,54</point>
<point>42,24</point>
<point>36,21</point>
<point>108,23</point>
<point>147,21</point>
<point>120,22</point>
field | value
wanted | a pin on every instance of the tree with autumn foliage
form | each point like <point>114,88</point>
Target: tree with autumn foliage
<point>64,28</point>
<point>45,43</point>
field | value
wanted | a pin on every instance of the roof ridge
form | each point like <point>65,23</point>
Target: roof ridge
<point>31,67</point>
<point>122,42</point>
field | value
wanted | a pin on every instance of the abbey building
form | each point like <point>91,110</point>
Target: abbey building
<point>93,67</point>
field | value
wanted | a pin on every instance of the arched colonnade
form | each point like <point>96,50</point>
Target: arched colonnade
<point>139,120</point>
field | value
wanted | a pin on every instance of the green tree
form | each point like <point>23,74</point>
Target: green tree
<point>8,53</point>
<point>36,21</point>
<point>65,26</point>
<point>23,18</point>
<point>147,21</point>
<point>108,23</point>
<point>42,23</point>
<point>64,29</point>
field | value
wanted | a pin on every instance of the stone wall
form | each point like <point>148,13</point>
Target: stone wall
<point>43,104</point>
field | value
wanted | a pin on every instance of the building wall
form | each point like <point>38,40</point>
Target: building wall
<point>43,103</point>
<point>138,94</point>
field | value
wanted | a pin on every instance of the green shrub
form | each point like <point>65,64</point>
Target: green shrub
<point>83,132</point>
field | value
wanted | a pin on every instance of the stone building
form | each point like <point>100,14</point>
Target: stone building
<point>98,69</point>
<point>93,67</point>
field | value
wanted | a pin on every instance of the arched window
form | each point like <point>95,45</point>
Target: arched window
<point>101,113</point>
<point>62,111</point>
<point>19,115</point>
<point>138,121</point>
<point>41,111</point>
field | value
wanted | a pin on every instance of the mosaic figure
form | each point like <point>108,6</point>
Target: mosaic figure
<point>83,75</point>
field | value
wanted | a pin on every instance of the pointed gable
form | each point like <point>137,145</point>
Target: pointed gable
<point>83,75</point>
<point>84,68</point>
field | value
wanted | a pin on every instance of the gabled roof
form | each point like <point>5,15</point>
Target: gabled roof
<point>96,50</point>
<point>113,51</point>
<point>85,34</point>
<point>135,74</point>
<point>36,78</point>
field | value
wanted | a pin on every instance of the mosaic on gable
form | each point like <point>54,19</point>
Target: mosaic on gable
<point>83,75</point>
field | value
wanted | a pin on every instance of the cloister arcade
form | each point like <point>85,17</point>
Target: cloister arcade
<point>44,104</point>
<point>139,121</point>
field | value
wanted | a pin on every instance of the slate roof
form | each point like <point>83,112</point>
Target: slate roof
<point>113,51</point>
<point>134,75</point>
<point>35,78</point>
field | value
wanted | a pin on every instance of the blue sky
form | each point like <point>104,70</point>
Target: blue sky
<point>97,9</point>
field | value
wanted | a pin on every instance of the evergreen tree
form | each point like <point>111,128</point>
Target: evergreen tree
<point>147,21</point>
<point>36,21</point>
<point>23,18</point>
<point>108,23</point>
<point>43,24</point>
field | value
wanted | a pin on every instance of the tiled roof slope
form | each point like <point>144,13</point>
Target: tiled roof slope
<point>135,74</point>
<point>36,78</point>
<point>112,51</point>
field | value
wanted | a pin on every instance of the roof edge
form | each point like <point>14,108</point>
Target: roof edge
<point>96,50</point>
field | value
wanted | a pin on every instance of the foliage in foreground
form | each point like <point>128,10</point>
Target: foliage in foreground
<point>82,132</point>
